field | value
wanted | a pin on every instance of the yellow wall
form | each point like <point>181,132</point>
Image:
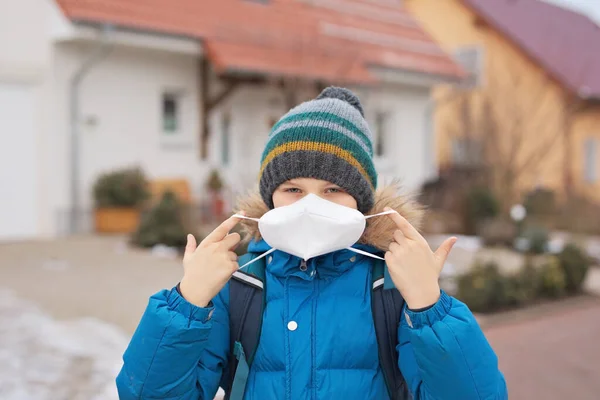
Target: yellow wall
<point>528,106</point>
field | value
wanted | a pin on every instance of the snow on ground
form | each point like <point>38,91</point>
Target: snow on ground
<point>45,359</point>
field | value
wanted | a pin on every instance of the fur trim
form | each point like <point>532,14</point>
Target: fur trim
<point>379,231</point>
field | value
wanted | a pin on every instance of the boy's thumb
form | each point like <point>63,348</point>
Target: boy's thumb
<point>190,246</point>
<point>444,250</point>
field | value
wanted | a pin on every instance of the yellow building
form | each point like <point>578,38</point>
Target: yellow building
<point>531,110</point>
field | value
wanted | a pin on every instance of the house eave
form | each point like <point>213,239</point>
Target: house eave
<point>411,77</point>
<point>86,31</point>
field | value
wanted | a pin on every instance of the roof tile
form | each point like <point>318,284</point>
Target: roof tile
<point>325,39</point>
<point>563,42</point>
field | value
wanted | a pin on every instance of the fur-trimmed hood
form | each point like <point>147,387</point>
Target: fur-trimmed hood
<point>379,231</point>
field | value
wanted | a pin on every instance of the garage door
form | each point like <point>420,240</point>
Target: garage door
<point>18,197</point>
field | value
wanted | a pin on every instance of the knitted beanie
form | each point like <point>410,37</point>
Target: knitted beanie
<point>326,138</point>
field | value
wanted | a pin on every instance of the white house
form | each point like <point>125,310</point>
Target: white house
<point>86,87</point>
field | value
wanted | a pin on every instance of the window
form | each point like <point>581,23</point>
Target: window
<point>170,113</point>
<point>590,160</point>
<point>381,122</point>
<point>471,59</point>
<point>225,138</point>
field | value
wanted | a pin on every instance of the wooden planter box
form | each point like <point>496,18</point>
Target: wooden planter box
<point>116,220</point>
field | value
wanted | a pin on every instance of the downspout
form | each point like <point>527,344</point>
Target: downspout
<point>101,52</point>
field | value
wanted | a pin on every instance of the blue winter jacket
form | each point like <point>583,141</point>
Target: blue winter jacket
<point>318,342</point>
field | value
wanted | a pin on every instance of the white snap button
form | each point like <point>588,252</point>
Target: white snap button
<point>292,325</point>
<point>353,258</point>
<point>270,259</point>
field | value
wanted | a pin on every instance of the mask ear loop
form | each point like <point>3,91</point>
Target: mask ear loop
<point>364,253</point>
<point>262,255</point>
<point>381,213</point>
<point>257,258</point>
<point>244,217</point>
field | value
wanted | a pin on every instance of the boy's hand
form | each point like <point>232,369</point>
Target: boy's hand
<point>413,267</point>
<point>207,268</point>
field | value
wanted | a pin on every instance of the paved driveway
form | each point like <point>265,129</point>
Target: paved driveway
<point>555,357</point>
<point>71,305</point>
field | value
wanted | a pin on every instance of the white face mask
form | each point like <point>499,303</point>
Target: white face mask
<point>312,227</point>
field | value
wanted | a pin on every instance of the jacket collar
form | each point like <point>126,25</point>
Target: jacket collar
<point>329,265</point>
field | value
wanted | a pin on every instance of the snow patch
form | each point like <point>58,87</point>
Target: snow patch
<point>45,359</point>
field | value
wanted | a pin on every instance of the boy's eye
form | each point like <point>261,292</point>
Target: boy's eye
<point>292,190</point>
<point>334,190</point>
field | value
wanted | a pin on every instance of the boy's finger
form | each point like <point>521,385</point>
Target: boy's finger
<point>230,241</point>
<point>407,229</point>
<point>190,246</point>
<point>222,230</point>
<point>399,236</point>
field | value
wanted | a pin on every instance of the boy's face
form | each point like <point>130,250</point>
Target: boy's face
<point>295,189</point>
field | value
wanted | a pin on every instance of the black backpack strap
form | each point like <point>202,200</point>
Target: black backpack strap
<point>387,307</point>
<point>246,304</point>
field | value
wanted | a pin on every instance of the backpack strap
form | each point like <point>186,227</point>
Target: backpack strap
<point>246,304</point>
<point>387,307</point>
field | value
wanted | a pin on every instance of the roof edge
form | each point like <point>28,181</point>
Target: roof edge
<point>558,77</point>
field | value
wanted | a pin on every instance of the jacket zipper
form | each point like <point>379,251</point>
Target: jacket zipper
<point>313,340</point>
<point>303,265</point>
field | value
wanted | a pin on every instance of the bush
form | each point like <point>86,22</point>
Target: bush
<point>122,188</point>
<point>448,194</point>
<point>481,205</point>
<point>537,239</point>
<point>484,289</point>
<point>574,264</point>
<point>552,279</point>
<point>162,224</point>
<point>214,182</point>
<point>498,232</point>
<point>540,202</point>
<point>526,286</point>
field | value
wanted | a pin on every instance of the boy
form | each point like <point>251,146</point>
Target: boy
<point>319,337</point>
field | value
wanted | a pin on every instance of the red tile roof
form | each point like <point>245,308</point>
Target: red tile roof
<point>563,42</point>
<point>334,40</point>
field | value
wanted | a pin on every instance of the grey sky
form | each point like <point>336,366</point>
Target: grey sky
<point>590,8</point>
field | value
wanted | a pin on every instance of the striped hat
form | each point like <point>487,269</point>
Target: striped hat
<point>326,138</point>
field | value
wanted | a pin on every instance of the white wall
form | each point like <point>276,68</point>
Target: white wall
<point>408,156</point>
<point>121,111</point>
<point>25,63</point>
<point>18,162</point>
<point>24,45</point>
